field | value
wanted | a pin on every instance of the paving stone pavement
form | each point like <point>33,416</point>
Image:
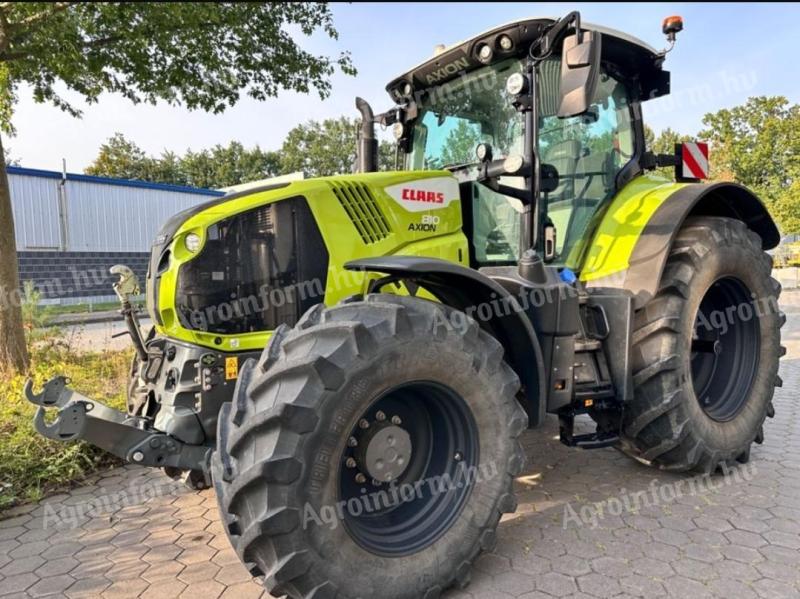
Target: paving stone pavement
<point>739,539</point>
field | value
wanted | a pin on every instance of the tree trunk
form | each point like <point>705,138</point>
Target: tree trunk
<point>13,351</point>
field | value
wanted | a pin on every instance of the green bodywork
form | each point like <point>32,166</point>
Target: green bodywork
<point>621,225</point>
<point>341,237</point>
<point>617,229</point>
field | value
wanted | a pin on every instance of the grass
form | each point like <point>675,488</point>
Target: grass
<point>32,466</point>
<point>56,309</point>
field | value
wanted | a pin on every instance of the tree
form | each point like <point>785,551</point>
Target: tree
<point>220,166</point>
<point>757,144</point>
<point>200,55</point>
<point>664,142</point>
<point>460,144</point>
<point>122,159</point>
<point>325,148</point>
<point>786,208</point>
<point>223,166</point>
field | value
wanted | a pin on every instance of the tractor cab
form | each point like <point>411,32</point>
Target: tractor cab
<point>540,121</point>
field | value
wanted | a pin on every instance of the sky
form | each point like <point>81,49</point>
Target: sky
<point>726,53</point>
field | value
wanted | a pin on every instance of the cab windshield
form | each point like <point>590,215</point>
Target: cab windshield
<point>453,119</point>
<point>587,151</point>
<point>457,116</point>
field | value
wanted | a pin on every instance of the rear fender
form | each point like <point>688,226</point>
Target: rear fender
<point>465,289</point>
<point>632,243</point>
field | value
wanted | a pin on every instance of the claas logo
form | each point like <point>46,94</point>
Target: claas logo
<point>420,195</point>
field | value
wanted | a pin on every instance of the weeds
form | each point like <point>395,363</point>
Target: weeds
<point>30,465</point>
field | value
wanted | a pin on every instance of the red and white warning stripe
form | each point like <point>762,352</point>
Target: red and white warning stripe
<point>694,160</point>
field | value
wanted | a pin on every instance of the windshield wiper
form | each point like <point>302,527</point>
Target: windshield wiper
<point>457,166</point>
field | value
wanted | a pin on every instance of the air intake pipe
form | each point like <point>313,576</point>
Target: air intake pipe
<point>367,151</point>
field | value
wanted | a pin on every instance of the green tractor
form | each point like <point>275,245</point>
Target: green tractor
<point>350,361</point>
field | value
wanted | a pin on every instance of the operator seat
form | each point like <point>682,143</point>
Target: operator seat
<point>564,157</point>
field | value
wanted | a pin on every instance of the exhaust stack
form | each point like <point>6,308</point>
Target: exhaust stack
<point>367,151</point>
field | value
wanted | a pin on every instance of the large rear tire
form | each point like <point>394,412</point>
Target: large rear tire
<point>706,350</point>
<point>356,400</point>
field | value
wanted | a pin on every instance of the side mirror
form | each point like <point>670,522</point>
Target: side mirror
<point>580,69</point>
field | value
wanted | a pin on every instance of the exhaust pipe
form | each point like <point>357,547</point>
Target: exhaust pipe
<point>367,151</point>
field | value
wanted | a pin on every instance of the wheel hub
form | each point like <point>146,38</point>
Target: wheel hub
<point>725,355</point>
<point>416,432</point>
<point>388,453</point>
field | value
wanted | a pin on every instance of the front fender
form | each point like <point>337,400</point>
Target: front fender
<point>463,288</point>
<point>632,243</point>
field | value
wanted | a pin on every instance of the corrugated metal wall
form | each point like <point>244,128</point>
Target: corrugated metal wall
<point>88,214</point>
<point>35,204</point>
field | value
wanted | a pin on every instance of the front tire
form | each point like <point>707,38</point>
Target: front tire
<point>356,399</point>
<point>706,350</point>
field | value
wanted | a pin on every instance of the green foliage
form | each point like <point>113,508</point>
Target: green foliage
<point>223,166</point>
<point>123,159</point>
<point>758,144</point>
<point>31,465</point>
<point>34,316</point>
<point>320,149</point>
<point>315,148</point>
<point>326,148</point>
<point>459,147</point>
<point>197,54</point>
<point>201,55</point>
<point>665,142</point>
<point>220,166</point>
<point>786,208</point>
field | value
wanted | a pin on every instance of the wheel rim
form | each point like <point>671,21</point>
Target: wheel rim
<point>427,473</point>
<point>725,349</point>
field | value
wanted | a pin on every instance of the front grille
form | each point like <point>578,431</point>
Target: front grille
<point>365,213</point>
<point>257,270</point>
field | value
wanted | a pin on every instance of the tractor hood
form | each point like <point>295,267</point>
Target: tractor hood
<point>212,266</point>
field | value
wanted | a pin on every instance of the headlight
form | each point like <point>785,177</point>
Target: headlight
<point>513,164</point>
<point>516,84</point>
<point>485,53</point>
<point>398,130</point>
<point>505,43</point>
<point>483,152</point>
<point>192,242</point>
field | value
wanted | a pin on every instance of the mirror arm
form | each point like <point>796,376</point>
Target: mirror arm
<point>523,195</point>
<point>545,43</point>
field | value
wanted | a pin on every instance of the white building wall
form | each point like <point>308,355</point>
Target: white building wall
<point>97,216</point>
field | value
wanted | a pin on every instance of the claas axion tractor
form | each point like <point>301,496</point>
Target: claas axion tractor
<point>371,346</point>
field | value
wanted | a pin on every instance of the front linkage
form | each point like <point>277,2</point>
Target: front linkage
<point>128,437</point>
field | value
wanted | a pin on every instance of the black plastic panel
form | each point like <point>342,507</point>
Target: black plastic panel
<point>257,270</point>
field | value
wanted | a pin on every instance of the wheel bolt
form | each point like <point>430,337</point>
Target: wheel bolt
<point>376,482</point>
<point>396,420</point>
<point>380,416</point>
<point>350,463</point>
<point>458,457</point>
<point>352,442</point>
<point>363,423</point>
<point>360,478</point>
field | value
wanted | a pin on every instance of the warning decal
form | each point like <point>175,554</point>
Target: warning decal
<point>694,160</point>
<point>231,368</point>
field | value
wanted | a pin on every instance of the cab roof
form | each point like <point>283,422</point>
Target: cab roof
<point>630,55</point>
